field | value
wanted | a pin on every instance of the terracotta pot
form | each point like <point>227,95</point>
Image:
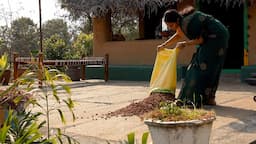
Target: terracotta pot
<point>180,132</point>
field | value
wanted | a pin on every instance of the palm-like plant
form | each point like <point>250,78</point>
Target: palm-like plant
<point>21,126</point>
<point>51,89</point>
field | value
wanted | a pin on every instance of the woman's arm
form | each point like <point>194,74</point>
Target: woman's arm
<point>190,42</point>
<point>173,39</point>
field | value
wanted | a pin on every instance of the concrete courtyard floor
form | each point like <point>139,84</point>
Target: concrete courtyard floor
<point>235,123</point>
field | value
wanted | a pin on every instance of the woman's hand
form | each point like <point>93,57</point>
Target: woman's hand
<point>160,47</point>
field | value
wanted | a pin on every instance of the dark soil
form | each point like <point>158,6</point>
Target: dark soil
<point>146,105</point>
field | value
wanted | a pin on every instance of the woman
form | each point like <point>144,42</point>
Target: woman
<point>203,72</point>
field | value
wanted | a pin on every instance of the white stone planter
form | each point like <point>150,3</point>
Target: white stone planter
<point>180,132</point>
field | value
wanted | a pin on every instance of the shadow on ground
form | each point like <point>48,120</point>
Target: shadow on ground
<point>246,118</point>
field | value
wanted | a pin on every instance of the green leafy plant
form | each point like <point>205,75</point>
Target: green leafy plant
<point>48,90</point>
<point>51,89</point>
<point>170,111</point>
<point>21,126</point>
<point>16,99</point>
<point>131,138</point>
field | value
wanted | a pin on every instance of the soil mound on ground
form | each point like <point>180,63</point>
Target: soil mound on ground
<point>146,105</point>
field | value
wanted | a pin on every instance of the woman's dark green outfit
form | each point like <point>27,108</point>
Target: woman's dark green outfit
<point>203,72</point>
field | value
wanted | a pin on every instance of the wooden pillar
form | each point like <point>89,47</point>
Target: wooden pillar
<point>15,66</point>
<point>251,35</point>
<point>246,61</point>
<point>106,68</point>
<point>82,69</point>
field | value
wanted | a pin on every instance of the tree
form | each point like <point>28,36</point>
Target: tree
<point>57,41</point>
<point>82,45</point>
<point>56,26</point>
<point>55,48</point>
<point>24,36</point>
<point>125,25</point>
<point>4,36</point>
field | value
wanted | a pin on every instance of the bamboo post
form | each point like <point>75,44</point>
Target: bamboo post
<point>40,69</point>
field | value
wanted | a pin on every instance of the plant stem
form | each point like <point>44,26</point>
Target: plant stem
<point>47,116</point>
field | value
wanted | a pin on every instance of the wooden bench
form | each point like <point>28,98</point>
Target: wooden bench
<point>18,62</point>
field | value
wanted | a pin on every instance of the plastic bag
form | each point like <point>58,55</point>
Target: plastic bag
<point>164,75</point>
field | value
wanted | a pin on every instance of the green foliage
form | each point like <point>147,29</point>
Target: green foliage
<point>131,138</point>
<point>56,48</point>
<point>57,39</point>
<point>126,25</point>
<point>170,111</point>
<point>144,138</point>
<point>24,36</point>
<point>4,39</point>
<point>56,26</point>
<point>21,126</point>
<point>50,76</point>
<point>83,45</point>
<point>3,63</point>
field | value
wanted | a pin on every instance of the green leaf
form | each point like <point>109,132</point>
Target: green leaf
<point>131,138</point>
<point>3,132</point>
<point>66,88</point>
<point>61,116</point>
<point>70,105</point>
<point>3,63</point>
<point>144,138</point>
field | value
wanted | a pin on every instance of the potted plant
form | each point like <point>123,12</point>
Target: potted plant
<point>19,124</point>
<point>11,97</point>
<point>173,124</point>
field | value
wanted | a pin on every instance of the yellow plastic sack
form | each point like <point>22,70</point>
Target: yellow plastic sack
<point>164,75</point>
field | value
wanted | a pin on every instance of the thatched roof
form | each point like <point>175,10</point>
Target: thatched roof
<point>101,7</point>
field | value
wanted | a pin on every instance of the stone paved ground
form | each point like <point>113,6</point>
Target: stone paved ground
<point>235,123</point>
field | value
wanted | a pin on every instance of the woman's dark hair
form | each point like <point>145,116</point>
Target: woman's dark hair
<point>173,15</point>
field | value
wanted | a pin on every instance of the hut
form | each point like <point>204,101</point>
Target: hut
<point>134,59</point>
